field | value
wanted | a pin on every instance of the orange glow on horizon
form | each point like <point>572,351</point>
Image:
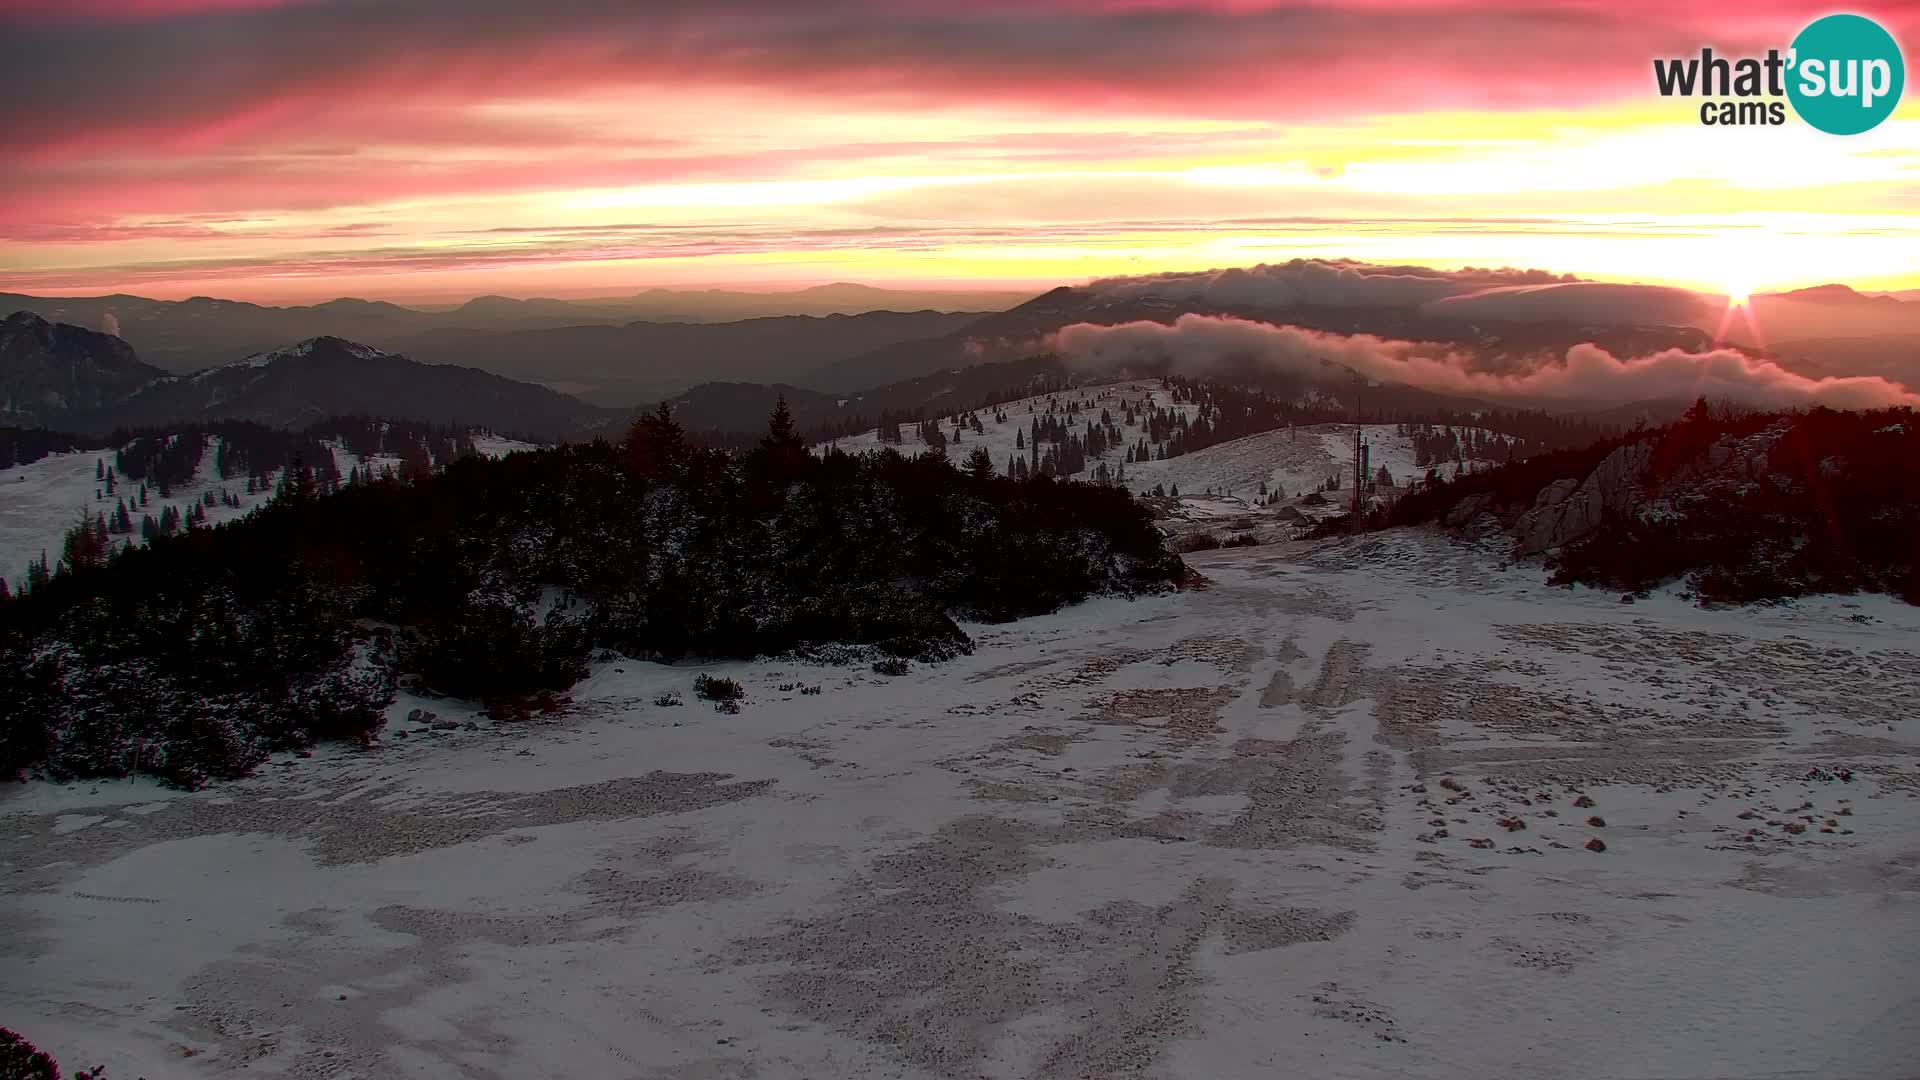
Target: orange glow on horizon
<point>580,179</point>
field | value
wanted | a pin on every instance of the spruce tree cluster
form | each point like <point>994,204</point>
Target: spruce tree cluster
<point>193,656</point>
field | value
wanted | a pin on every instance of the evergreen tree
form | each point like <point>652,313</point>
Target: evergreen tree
<point>84,546</point>
<point>782,452</point>
<point>980,464</point>
<point>780,426</point>
<point>296,486</point>
<point>656,445</point>
<point>37,574</point>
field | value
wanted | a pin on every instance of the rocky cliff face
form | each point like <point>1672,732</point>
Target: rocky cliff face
<point>1572,508</point>
<point>51,371</point>
<point>1740,507</point>
<point>1569,509</point>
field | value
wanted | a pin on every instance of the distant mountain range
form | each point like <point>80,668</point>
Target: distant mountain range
<point>80,380</point>
<point>188,335</point>
<point>728,305</point>
<point>642,362</point>
<point>836,370</point>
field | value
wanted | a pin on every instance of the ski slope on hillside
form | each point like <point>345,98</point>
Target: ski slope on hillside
<point>1293,461</point>
<point>1008,440</point>
<point>41,500</point>
<point>1329,816</point>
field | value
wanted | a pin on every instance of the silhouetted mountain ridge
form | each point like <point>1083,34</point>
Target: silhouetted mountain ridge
<point>80,380</point>
<point>49,371</point>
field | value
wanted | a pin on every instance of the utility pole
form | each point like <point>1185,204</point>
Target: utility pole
<point>1359,384</point>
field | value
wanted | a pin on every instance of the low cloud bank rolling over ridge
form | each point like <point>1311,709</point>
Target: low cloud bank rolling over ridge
<point>1586,376</point>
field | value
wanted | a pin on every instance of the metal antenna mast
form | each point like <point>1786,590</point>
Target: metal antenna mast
<point>1359,385</point>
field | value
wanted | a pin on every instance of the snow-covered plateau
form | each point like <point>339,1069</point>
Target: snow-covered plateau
<point>1369,809</point>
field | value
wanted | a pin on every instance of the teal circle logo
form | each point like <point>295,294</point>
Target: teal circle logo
<point>1845,74</point>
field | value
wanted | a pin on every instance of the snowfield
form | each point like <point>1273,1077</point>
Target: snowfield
<point>1249,830</point>
<point>41,500</point>
<point>1292,461</point>
<point>1000,439</point>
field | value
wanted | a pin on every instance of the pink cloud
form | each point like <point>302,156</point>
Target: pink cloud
<point>191,109</point>
<point>127,10</point>
<point>215,75</point>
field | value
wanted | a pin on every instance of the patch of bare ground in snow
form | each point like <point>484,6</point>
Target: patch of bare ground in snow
<point>915,955</point>
<point>1279,689</point>
<point>1230,654</point>
<point>1290,793</point>
<point>1332,1001</point>
<point>1050,743</point>
<point>1627,761</point>
<point>1180,713</point>
<point>1700,670</point>
<point>359,828</point>
<point>1046,685</point>
<point>350,980</point>
<point>1342,678</point>
<point>1140,997</point>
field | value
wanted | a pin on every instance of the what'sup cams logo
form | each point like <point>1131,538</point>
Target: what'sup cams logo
<point>1843,74</point>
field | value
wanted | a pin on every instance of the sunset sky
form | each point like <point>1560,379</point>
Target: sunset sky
<point>297,150</point>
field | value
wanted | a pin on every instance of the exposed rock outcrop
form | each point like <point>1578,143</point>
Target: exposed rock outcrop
<point>1567,510</point>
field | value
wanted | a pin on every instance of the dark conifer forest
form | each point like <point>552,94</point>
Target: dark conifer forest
<point>194,656</point>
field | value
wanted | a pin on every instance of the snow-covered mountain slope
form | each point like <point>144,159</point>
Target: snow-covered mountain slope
<point>1203,835</point>
<point>325,377</point>
<point>1293,461</point>
<point>1006,440</point>
<point>50,371</point>
<point>41,500</point>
